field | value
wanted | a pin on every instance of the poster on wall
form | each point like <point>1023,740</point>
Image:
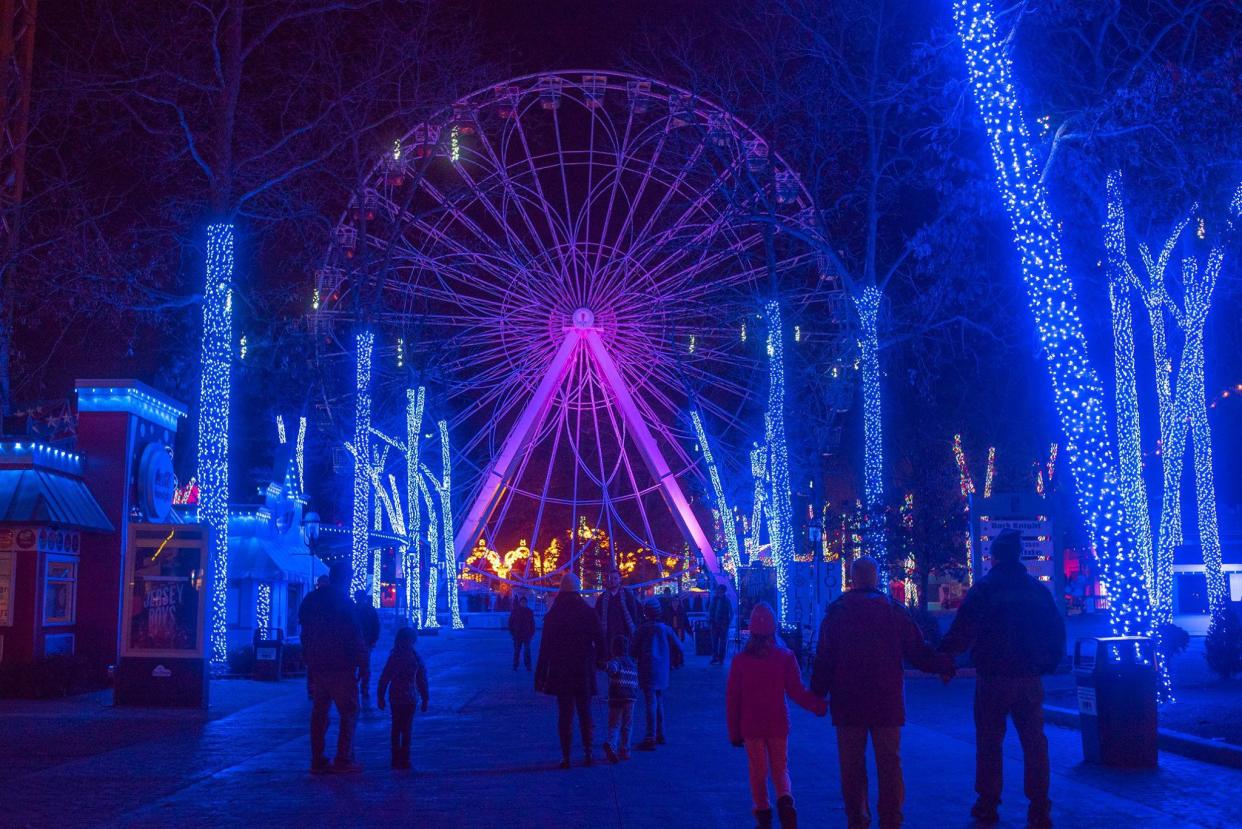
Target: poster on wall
<point>165,598</point>
<point>6,589</point>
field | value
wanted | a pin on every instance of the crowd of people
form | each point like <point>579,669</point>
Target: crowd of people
<point>1008,621</point>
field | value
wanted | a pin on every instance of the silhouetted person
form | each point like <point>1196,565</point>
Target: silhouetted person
<point>656,651</point>
<point>368,622</point>
<point>522,629</point>
<point>569,650</point>
<point>1015,633</point>
<point>863,641</point>
<point>617,609</point>
<point>404,681</point>
<point>333,649</point>
<point>719,617</point>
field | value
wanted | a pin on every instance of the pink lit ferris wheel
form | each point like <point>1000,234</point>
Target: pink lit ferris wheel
<point>571,263</point>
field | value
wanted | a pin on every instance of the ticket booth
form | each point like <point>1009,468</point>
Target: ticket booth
<point>126,431</point>
<point>45,510</point>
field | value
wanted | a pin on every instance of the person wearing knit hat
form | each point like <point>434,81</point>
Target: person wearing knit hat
<point>1010,623</point>
<point>571,646</point>
<point>761,676</point>
<point>657,652</point>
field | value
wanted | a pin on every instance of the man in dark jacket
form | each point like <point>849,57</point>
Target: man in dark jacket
<point>522,629</point>
<point>863,641</point>
<point>1015,633</point>
<point>572,644</point>
<point>368,622</point>
<point>719,617</point>
<point>333,649</point>
<point>617,610</point>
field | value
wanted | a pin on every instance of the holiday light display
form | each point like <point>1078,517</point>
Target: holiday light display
<point>433,546</point>
<point>780,526</point>
<point>360,551</point>
<point>1077,390</point>
<point>213,424</point>
<point>263,606</point>
<point>966,485</point>
<point>280,430</point>
<point>728,527</point>
<point>414,402</point>
<point>446,516</point>
<point>867,305</point>
<point>1125,389</point>
<point>990,475</point>
<point>299,449</point>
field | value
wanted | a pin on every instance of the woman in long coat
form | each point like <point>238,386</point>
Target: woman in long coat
<point>570,649</point>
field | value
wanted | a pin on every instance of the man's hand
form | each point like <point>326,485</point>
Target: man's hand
<point>822,708</point>
<point>738,743</point>
<point>948,668</point>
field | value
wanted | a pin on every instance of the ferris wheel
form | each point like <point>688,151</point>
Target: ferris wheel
<point>572,263</point>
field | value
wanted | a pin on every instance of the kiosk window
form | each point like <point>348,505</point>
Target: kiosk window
<point>60,585</point>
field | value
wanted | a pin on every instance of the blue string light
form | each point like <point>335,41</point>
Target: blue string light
<point>727,524</point>
<point>867,305</point>
<point>361,547</point>
<point>1077,390</point>
<point>780,524</point>
<point>414,402</point>
<point>446,516</point>
<point>213,424</point>
<point>263,606</point>
<point>1129,431</point>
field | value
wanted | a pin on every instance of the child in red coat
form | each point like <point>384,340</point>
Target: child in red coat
<point>761,676</point>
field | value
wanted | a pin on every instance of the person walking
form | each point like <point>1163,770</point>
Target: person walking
<point>368,622</point>
<point>656,651</point>
<point>622,692</point>
<point>863,640</point>
<point>617,609</point>
<point>719,617</point>
<point>760,678</point>
<point>569,650</point>
<point>404,681</point>
<point>1010,623</point>
<point>333,649</point>
<point>522,629</point>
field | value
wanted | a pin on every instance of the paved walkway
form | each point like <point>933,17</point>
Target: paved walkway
<point>484,754</point>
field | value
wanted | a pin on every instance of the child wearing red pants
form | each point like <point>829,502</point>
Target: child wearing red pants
<point>760,678</point>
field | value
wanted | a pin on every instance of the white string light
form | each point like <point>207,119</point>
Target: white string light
<point>360,550</point>
<point>780,525</point>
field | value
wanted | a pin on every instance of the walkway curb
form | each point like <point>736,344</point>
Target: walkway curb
<point>1174,742</point>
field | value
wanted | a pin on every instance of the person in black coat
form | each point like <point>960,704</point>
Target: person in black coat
<point>522,629</point>
<point>1015,633</point>
<point>368,621</point>
<point>569,651</point>
<point>333,649</point>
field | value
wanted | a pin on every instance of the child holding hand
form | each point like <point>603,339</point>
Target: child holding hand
<point>760,678</point>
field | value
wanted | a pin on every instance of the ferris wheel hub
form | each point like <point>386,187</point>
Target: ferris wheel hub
<point>584,318</point>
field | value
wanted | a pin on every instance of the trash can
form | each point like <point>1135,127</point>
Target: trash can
<point>268,644</point>
<point>702,639</point>
<point>1116,679</point>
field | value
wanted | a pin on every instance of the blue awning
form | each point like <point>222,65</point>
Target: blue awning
<point>32,495</point>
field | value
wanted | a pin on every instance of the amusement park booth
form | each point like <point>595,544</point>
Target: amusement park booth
<point>46,513</point>
<point>125,432</point>
<point>271,567</point>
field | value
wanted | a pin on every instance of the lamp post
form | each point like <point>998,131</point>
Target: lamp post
<point>310,535</point>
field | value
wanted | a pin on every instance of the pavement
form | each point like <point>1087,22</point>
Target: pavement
<point>484,756</point>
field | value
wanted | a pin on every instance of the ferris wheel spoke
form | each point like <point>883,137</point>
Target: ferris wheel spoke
<point>619,431</point>
<point>517,245</point>
<point>558,241</point>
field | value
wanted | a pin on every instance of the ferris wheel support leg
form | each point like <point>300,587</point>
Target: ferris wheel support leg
<point>502,469</point>
<point>686,520</point>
